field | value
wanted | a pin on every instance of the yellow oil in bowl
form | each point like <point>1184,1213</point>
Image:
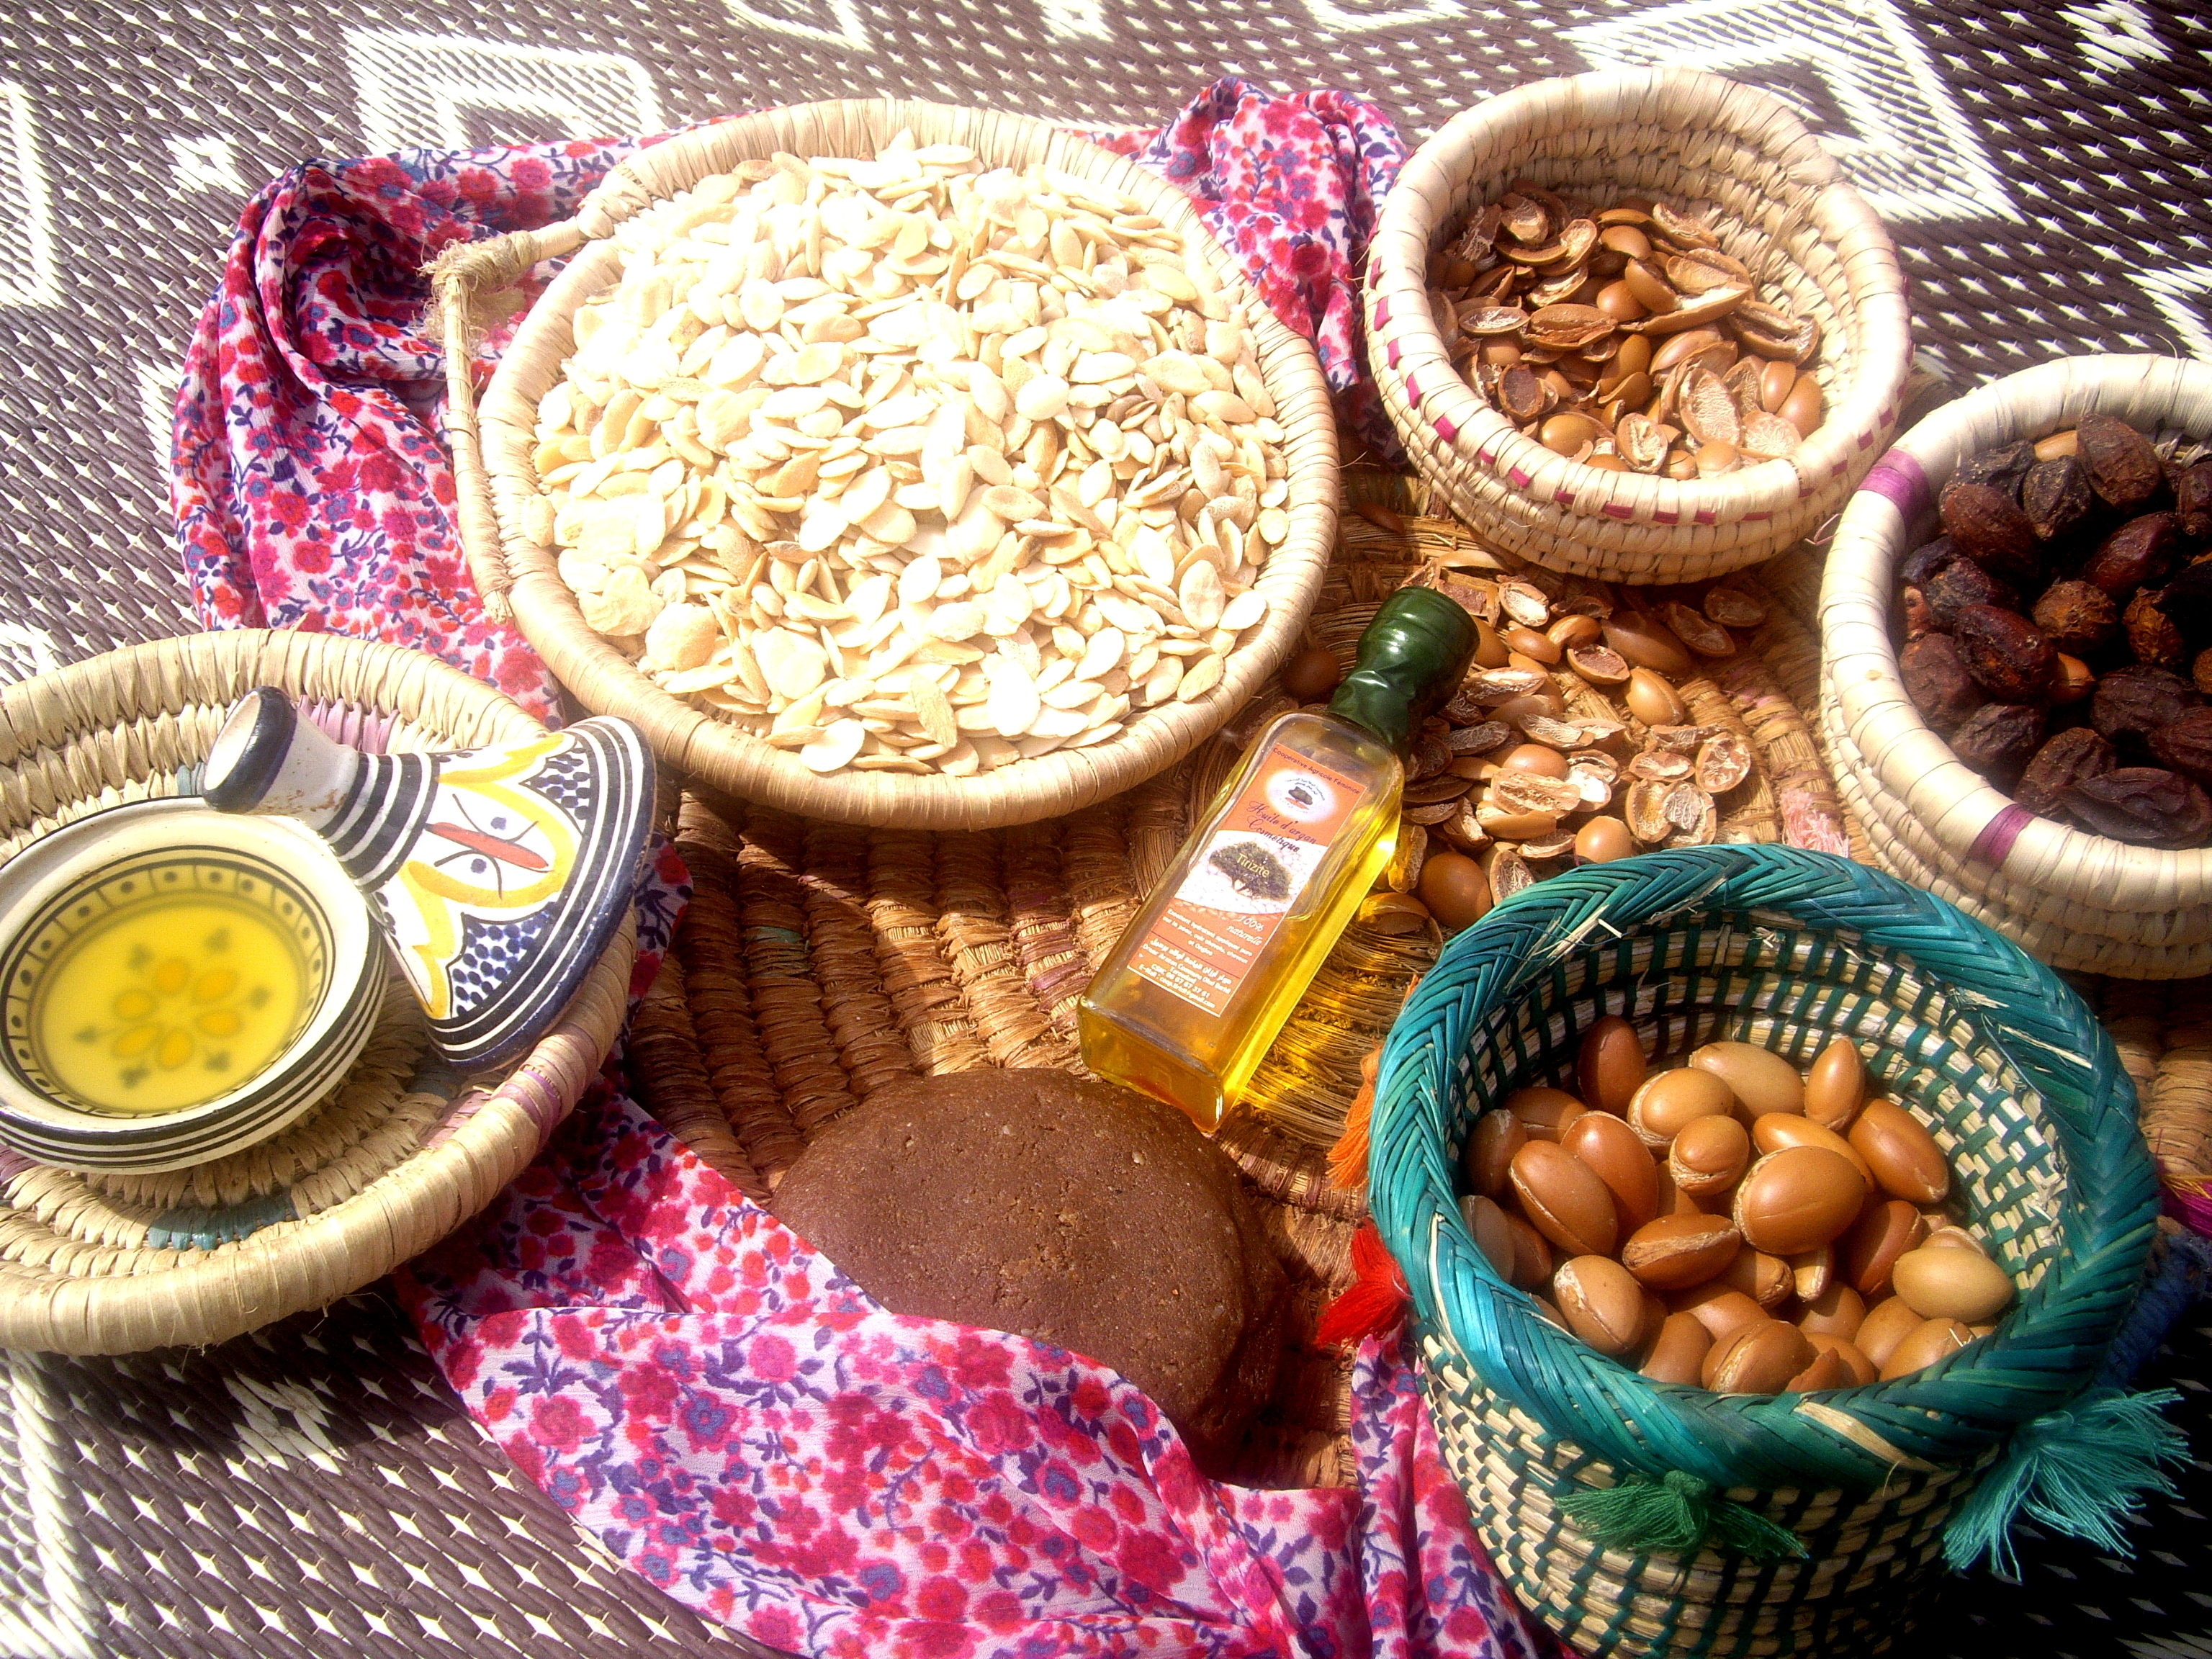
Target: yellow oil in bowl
<point>169,1003</point>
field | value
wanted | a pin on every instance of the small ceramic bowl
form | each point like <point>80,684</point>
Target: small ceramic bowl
<point>153,952</point>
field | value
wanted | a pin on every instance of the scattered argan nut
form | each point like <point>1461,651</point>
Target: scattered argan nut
<point>1870,1250</point>
<point>1603,1302</point>
<point>1887,1324</point>
<point>1653,701</point>
<point>1939,1338</point>
<point>1961,1285</point>
<point>1835,1088</point>
<point>1311,675</point>
<point>1564,1199</point>
<point>1609,1065</point>
<point>1670,1099</point>
<point>1647,643</point>
<point>1708,1155</point>
<point>1612,1149</point>
<point>1837,1311</point>
<point>1863,1372</point>
<point>1603,839</point>
<point>1679,1355</point>
<point>1490,1148</point>
<point>1761,1079</point>
<point>1798,1199</point>
<point>1674,1252</point>
<point>1904,1157</point>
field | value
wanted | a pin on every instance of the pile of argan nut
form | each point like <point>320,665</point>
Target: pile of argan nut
<point>1625,336</point>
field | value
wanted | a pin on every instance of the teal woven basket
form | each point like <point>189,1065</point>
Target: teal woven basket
<point>1785,948</point>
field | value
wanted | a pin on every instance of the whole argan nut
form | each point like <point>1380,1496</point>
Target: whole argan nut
<point>1603,1303</point>
<point>1611,1148</point>
<point>1647,642</point>
<point>1493,1236</point>
<point>1603,839</point>
<point>1798,1199</point>
<point>1708,1155</point>
<point>1550,1312</point>
<point>1828,1370</point>
<point>1489,650</point>
<point>1654,701</point>
<point>1679,1355</point>
<point>1904,1157</point>
<point>1670,1099</point>
<point>1455,889</point>
<point>1540,758</point>
<point>1764,1278</point>
<point>1760,1359</point>
<point>1835,1088</point>
<point>1537,647</point>
<point>1863,1372</point>
<point>1532,1257</point>
<point>1779,1129</point>
<point>1837,1311</point>
<point>1674,1252</point>
<point>1961,1285</point>
<point>1721,1310</point>
<point>1949,1237</point>
<point>1811,1271</point>
<point>1564,1199</point>
<point>1870,1250</point>
<point>1761,1080</point>
<point>1804,408</point>
<point>1609,1065</point>
<point>1311,675</point>
<point>1545,1112</point>
<point>1922,1346</point>
<point>1496,1136</point>
<point>1887,1324</point>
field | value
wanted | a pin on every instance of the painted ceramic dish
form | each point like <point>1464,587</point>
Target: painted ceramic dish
<point>499,875</point>
<point>175,985</point>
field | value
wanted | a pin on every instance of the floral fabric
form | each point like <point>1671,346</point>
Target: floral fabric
<point>311,487</point>
<point>678,1371</point>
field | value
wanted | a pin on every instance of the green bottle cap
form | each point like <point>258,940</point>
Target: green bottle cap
<point>1412,658</point>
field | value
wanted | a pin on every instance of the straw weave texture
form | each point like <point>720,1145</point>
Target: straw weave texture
<point>495,476</point>
<point>401,1153</point>
<point>2076,900</point>
<point>1782,206</point>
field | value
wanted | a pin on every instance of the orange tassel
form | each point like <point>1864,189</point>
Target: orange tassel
<point>1347,1159</point>
<point>1375,1301</point>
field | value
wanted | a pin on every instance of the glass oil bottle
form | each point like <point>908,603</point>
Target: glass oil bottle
<point>1192,996</point>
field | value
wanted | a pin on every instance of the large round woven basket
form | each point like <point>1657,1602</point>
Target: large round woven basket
<point>400,1154</point>
<point>1781,207</point>
<point>497,478</point>
<point>2076,900</point>
<point>1787,949</point>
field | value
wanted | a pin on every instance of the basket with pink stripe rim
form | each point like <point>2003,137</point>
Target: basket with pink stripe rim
<point>2076,900</point>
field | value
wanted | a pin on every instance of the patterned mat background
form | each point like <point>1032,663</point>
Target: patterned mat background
<point>314,1490</point>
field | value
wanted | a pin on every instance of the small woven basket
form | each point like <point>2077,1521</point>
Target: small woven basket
<point>1783,208</point>
<point>1784,948</point>
<point>2077,900</point>
<point>400,1154</point>
<point>496,477</point>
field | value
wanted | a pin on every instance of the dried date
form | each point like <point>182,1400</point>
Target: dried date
<point>1927,559</point>
<point>2078,617</point>
<point>2193,500</point>
<point>2130,703</point>
<point>1987,525</point>
<point>2185,745</point>
<point>2007,655</point>
<point>2124,469</point>
<point>2068,758</point>
<point>2056,496</point>
<point>1936,678</point>
<point>2003,468</point>
<point>1961,583</point>
<point>2152,634</point>
<point>1999,738</point>
<point>1919,616</point>
<point>2139,554</point>
<point>2144,806</point>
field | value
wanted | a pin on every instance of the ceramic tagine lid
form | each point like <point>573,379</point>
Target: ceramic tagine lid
<point>499,875</point>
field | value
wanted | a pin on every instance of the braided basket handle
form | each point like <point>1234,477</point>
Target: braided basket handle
<point>476,286</point>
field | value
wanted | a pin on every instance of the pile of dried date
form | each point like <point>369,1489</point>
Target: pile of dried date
<point>1511,781</point>
<point>2059,633</point>
<point>1624,337</point>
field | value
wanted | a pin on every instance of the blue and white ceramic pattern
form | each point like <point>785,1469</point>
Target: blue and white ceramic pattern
<point>500,874</point>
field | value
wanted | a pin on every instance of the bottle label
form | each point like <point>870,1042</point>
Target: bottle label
<point>1260,856</point>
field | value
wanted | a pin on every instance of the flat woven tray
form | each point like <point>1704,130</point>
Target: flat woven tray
<point>819,962</point>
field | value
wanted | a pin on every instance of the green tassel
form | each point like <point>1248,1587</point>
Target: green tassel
<point>1673,1514</point>
<point>2081,1472</point>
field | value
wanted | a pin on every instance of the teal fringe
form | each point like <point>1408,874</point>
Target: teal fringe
<point>2081,1472</point>
<point>1675,1514</point>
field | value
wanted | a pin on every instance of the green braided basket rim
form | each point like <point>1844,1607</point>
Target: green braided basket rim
<point>2047,1349</point>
